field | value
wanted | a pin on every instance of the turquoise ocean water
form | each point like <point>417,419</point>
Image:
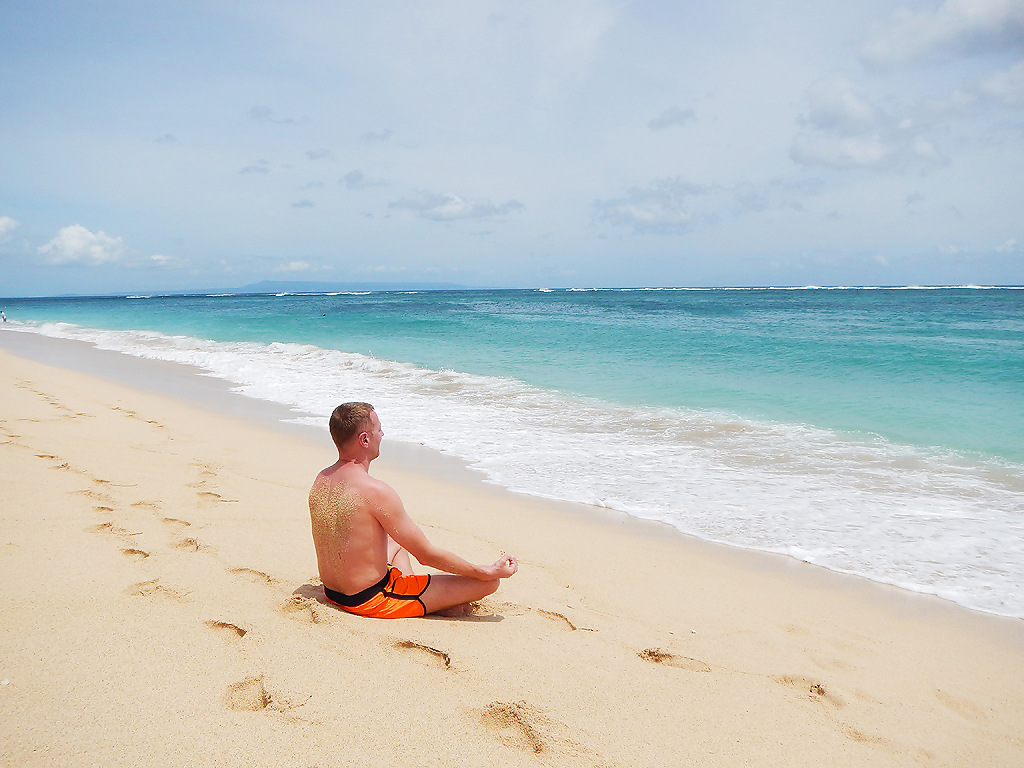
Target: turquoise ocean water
<point>871,431</point>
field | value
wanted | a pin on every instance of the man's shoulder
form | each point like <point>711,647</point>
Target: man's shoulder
<point>355,481</point>
<point>373,488</point>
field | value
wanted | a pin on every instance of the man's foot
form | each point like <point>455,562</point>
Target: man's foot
<point>457,611</point>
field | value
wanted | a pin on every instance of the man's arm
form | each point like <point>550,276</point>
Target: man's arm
<point>390,513</point>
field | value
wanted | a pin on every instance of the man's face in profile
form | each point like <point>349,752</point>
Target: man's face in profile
<point>375,433</point>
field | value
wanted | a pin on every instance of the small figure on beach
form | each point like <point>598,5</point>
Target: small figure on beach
<point>3,315</point>
<point>364,537</point>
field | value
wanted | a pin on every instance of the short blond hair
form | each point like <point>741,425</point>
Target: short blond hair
<point>348,420</point>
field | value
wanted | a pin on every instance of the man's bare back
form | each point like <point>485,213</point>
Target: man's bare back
<point>351,545</point>
<point>364,536</point>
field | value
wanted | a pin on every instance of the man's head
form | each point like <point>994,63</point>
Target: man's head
<point>348,420</point>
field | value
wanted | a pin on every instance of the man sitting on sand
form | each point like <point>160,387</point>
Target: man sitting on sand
<point>364,537</point>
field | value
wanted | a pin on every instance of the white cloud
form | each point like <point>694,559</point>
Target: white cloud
<point>448,207</point>
<point>320,154</point>
<point>293,266</point>
<point>955,27</point>
<point>841,151</point>
<point>973,99</point>
<point>674,206</point>
<point>672,116</point>
<point>842,129</point>
<point>7,225</point>
<point>166,262</point>
<point>1006,86</point>
<point>303,204</point>
<point>1008,247</point>
<point>77,245</point>
<point>664,207</point>
<point>835,107</point>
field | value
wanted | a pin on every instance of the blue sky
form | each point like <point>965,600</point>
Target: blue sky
<point>160,146</point>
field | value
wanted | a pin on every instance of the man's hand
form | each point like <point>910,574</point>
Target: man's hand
<point>504,567</point>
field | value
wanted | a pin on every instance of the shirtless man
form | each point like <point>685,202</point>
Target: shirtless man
<point>364,537</point>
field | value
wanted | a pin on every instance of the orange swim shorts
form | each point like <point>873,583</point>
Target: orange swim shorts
<point>396,596</point>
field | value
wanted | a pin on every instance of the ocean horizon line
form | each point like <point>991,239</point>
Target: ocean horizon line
<point>364,289</point>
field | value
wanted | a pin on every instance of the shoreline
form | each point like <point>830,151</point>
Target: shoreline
<point>190,384</point>
<point>184,606</point>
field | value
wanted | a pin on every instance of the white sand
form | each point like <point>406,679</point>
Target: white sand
<point>160,607</point>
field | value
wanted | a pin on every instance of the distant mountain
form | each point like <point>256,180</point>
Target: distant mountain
<point>301,286</point>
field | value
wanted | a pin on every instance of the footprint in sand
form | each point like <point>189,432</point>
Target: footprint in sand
<point>249,695</point>
<point>302,608</point>
<point>560,619</point>
<point>94,495</point>
<point>191,545</point>
<point>109,528</point>
<point>439,657</point>
<point>176,522</point>
<point>879,742</point>
<point>151,588</point>
<point>815,689</point>
<point>55,403</point>
<point>210,496</point>
<point>148,504</point>
<point>134,415</point>
<point>495,608</point>
<point>516,725</point>
<point>659,656</point>
<point>227,628</point>
<point>253,575</point>
<point>523,727</point>
<point>138,554</point>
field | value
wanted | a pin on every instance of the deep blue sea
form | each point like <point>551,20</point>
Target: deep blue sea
<point>871,431</point>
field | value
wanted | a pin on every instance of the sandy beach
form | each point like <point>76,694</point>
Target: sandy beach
<point>161,607</point>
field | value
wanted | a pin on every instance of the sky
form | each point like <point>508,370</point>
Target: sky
<point>203,144</point>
